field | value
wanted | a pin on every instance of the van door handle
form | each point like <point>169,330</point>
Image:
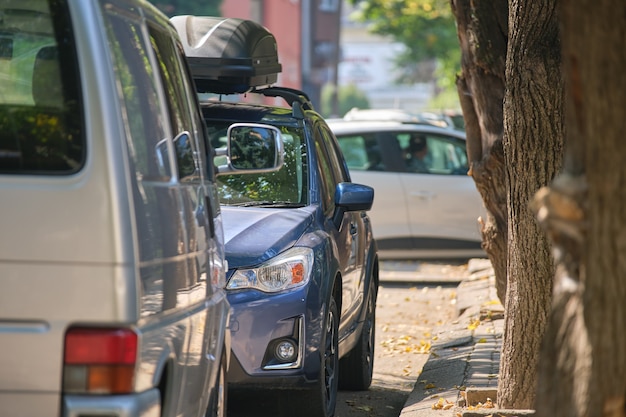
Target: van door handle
<point>209,216</point>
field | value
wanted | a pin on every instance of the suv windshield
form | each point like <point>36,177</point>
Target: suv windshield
<point>287,187</point>
<point>40,116</point>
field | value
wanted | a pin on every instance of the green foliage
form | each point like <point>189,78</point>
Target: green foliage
<point>194,7</point>
<point>446,99</point>
<point>426,27</point>
<point>348,96</point>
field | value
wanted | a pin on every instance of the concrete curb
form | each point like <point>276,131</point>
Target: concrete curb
<point>464,363</point>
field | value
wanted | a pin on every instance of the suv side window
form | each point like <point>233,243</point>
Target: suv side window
<point>328,181</point>
<point>41,120</point>
<point>334,153</point>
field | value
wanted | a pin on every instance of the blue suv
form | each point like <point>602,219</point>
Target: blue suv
<point>302,274</point>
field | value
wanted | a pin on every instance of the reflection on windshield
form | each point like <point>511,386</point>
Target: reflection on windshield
<point>287,187</point>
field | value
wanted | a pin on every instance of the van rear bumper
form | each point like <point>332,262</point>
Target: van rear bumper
<point>144,404</point>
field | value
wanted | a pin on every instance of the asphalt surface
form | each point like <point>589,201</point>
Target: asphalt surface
<point>460,377</point>
<point>407,310</point>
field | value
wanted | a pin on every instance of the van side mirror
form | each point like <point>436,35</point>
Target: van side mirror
<point>252,148</point>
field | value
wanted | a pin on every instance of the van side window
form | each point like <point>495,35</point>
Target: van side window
<point>178,97</point>
<point>41,120</point>
<point>142,109</point>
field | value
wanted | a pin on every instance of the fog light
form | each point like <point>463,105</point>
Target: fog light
<point>286,350</point>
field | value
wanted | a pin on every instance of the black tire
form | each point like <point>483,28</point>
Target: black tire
<point>321,400</point>
<point>219,396</point>
<point>357,367</point>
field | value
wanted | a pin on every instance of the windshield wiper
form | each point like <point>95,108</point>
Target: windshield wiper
<point>267,203</point>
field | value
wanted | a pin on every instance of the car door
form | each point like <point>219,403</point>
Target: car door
<point>443,202</point>
<point>350,234</point>
<point>373,159</point>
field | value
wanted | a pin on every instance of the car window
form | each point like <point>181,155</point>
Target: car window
<point>178,97</point>
<point>327,176</point>
<point>41,122</point>
<point>289,185</point>
<point>335,154</point>
<point>139,95</point>
<point>433,154</point>
<point>361,152</point>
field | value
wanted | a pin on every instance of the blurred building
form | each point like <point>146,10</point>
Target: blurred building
<point>368,62</point>
<point>307,33</point>
<point>319,42</point>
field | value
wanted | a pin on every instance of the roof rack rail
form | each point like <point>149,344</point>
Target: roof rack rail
<point>289,95</point>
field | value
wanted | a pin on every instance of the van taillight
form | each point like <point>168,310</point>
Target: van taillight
<point>99,361</point>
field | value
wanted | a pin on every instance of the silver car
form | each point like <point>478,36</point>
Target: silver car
<point>426,205</point>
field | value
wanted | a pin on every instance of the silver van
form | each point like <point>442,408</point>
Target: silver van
<point>111,245</point>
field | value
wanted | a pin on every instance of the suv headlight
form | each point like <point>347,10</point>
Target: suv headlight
<point>290,269</point>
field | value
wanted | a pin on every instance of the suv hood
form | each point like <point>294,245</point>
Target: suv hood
<point>254,235</point>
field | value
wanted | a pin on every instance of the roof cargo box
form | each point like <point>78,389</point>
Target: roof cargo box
<point>228,55</point>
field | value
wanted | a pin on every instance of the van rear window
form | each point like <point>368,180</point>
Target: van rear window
<point>40,105</point>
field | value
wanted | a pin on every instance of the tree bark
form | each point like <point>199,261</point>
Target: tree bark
<point>583,360</point>
<point>482,31</point>
<point>533,148</point>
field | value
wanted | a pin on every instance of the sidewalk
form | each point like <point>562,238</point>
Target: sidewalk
<point>460,377</point>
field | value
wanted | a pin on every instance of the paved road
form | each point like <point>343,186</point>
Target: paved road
<point>413,299</point>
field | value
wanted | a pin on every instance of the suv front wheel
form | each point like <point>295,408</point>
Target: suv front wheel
<point>321,400</point>
<point>357,367</point>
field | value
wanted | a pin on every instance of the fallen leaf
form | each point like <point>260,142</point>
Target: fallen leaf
<point>438,405</point>
<point>365,408</point>
<point>473,324</point>
<point>442,404</point>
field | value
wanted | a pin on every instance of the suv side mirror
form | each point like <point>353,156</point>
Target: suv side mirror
<point>252,148</point>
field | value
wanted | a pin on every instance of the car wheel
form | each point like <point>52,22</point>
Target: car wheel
<point>357,367</point>
<point>321,400</point>
<point>219,395</point>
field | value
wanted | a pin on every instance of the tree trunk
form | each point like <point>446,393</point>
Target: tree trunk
<point>583,359</point>
<point>482,31</point>
<point>533,148</point>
